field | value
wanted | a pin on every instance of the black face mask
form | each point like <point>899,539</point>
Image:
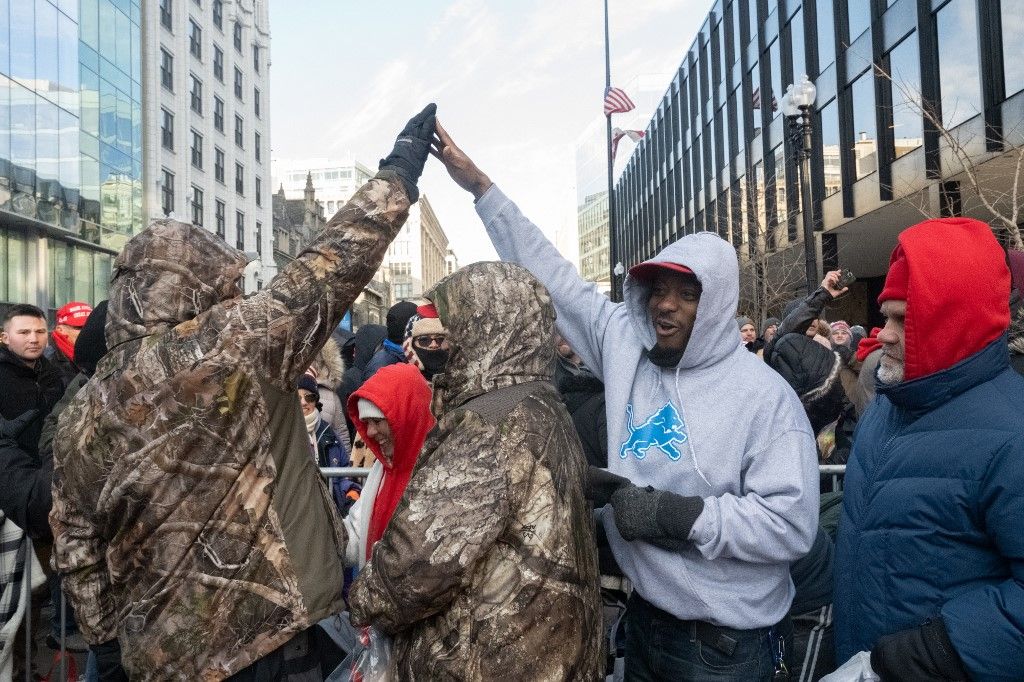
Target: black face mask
<point>433,361</point>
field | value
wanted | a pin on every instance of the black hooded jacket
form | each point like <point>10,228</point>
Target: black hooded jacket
<point>583,395</point>
<point>27,388</point>
<point>366,341</point>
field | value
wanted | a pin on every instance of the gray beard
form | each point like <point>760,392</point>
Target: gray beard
<point>890,374</point>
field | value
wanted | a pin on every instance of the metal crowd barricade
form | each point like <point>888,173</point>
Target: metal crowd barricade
<point>344,472</point>
<point>836,471</point>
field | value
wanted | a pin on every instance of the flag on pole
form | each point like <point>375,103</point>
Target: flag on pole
<point>616,101</point>
<point>755,100</point>
<point>618,134</point>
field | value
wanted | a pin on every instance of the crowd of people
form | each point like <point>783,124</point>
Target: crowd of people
<point>560,487</point>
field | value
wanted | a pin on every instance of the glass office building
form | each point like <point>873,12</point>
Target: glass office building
<point>720,156</point>
<point>70,146</point>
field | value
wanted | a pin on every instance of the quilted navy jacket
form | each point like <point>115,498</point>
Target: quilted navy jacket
<point>933,515</point>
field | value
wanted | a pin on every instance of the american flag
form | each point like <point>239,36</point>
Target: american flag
<point>616,101</point>
<point>755,100</point>
<point>618,134</point>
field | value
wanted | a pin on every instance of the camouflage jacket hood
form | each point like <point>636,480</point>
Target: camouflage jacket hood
<point>189,520</point>
<point>488,568</point>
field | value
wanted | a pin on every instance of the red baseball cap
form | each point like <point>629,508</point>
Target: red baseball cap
<point>649,268</point>
<point>74,314</point>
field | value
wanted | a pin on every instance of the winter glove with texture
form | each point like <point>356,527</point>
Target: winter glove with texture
<point>108,662</point>
<point>12,428</point>
<point>602,484</point>
<point>921,653</point>
<point>657,516</point>
<point>411,150</point>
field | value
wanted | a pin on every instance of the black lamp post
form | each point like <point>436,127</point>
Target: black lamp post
<point>797,105</point>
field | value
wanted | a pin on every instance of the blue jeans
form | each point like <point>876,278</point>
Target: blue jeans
<point>659,646</point>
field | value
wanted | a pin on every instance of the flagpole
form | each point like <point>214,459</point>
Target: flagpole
<point>613,237</point>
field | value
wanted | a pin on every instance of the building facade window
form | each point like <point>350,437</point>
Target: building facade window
<point>218,113</point>
<point>220,218</point>
<point>197,150</point>
<point>218,63</point>
<point>959,67</point>
<point>865,138</point>
<point>165,14</point>
<point>258,147</point>
<point>167,191</point>
<point>239,179</point>
<point>258,189</point>
<point>259,238</point>
<point>1013,28</point>
<point>256,102</point>
<point>239,131</point>
<point>197,206</point>
<point>238,83</point>
<point>256,58</point>
<point>218,15</point>
<point>826,34</point>
<point>859,16</point>
<point>196,95</point>
<point>166,69</point>
<point>240,230</point>
<point>218,165</point>
<point>828,124</point>
<point>167,129</point>
<point>905,83</point>
<point>195,39</point>
<point>237,36</point>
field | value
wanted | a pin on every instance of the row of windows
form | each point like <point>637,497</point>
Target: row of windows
<point>167,81</point>
<point>196,31</point>
<point>167,130</point>
<point>197,208</point>
<point>714,127</point>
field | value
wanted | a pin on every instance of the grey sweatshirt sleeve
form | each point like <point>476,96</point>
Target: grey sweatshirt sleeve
<point>583,311</point>
<point>776,518</point>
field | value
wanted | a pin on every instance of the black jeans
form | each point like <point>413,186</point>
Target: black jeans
<point>659,646</point>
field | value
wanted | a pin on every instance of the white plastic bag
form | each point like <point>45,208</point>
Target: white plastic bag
<point>370,662</point>
<point>857,669</point>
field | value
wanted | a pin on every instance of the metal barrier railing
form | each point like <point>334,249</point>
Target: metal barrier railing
<point>836,471</point>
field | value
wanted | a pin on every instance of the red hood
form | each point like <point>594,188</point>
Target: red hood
<point>957,290</point>
<point>403,396</point>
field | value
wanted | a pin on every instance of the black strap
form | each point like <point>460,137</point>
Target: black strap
<point>494,405</point>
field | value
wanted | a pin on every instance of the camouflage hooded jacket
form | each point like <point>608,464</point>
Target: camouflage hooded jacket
<point>488,568</point>
<point>189,520</point>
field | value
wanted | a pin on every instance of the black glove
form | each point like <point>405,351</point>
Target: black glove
<point>12,428</point>
<point>601,484</point>
<point>657,516</point>
<point>108,662</point>
<point>411,150</point>
<point>921,653</point>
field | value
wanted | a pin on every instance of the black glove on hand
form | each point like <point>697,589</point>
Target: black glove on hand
<point>12,428</point>
<point>602,484</point>
<point>921,653</point>
<point>108,661</point>
<point>411,150</point>
<point>657,516</point>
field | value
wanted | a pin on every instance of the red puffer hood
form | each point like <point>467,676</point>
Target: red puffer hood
<point>953,275</point>
<point>403,396</point>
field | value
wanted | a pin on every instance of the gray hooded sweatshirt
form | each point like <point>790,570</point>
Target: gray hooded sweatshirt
<point>721,424</point>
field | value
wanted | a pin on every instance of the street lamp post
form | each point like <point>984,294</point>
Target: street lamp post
<point>797,104</point>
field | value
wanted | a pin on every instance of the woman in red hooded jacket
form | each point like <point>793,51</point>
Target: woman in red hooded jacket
<point>391,411</point>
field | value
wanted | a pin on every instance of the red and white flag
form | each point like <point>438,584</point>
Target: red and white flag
<point>616,101</point>
<point>618,134</point>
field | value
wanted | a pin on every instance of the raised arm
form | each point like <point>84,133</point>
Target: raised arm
<point>583,311</point>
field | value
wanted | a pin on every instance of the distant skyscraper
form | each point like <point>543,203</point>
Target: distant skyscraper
<point>206,78</point>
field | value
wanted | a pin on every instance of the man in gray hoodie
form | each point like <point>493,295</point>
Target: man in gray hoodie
<point>719,486</point>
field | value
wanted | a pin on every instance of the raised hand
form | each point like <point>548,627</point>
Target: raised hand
<point>462,169</point>
<point>831,284</point>
<point>411,148</point>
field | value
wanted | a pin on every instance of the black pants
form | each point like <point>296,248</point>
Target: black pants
<point>309,656</point>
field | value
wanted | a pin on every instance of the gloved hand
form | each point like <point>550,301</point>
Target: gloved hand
<point>411,150</point>
<point>601,484</point>
<point>12,428</point>
<point>108,661</point>
<point>657,516</point>
<point>921,653</point>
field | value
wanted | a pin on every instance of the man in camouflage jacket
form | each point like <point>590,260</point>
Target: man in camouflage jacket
<point>488,569</point>
<point>190,522</point>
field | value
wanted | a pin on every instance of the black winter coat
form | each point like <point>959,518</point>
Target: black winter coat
<point>24,388</point>
<point>813,372</point>
<point>583,395</point>
<point>367,338</point>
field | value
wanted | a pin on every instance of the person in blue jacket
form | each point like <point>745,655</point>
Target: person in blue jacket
<point>930,554</point>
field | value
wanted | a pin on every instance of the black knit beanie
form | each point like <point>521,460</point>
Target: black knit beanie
<point>398,317</point>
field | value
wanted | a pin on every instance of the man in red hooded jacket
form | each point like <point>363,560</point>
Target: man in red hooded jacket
<point>930,549</point>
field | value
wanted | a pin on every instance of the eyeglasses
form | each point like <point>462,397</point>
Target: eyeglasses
<point>428,341</point>
<point>308,398</point>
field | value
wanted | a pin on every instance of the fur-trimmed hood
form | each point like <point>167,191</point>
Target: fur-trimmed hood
<point>328,366</point>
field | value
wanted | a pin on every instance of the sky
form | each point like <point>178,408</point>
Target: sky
<point>516,83</point>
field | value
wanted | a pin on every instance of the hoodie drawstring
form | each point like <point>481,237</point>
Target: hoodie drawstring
<point>689,441</point>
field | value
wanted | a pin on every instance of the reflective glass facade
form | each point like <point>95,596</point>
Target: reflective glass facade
<point>70,145</point>
<point>719,156</point>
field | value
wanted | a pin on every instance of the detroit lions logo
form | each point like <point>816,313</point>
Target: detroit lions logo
<point>664,430</point>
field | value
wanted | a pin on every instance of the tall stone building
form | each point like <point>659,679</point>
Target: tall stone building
<point>417,258</point>
<point>296,222</point>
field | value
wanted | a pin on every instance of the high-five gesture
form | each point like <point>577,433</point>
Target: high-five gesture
<point>410,152</point>
<point>462,169</point>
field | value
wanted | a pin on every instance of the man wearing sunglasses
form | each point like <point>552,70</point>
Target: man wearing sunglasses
<point>426,342</point>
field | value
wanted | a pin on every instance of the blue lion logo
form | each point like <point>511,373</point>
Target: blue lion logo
<point>664,430</point>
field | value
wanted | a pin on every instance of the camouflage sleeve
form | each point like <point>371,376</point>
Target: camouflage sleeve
<point>79,551</point>
<point>282,328</point>
<point>457,504</point>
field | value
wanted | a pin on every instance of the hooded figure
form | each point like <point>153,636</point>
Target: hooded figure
<point>328,370</point>
<point>488,568</point>
<point>930,540</point>
<point>190,522</point>
<point>364,343</point>
<point>402,397</point>
<point>391,351</point>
